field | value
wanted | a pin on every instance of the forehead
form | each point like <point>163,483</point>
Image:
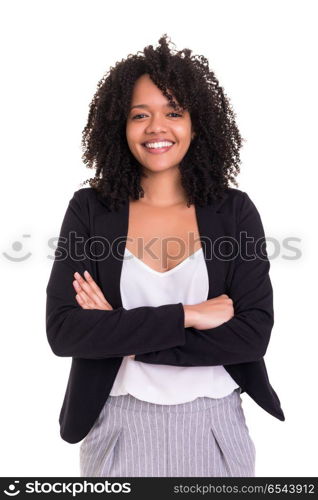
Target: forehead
<point>147,93</point>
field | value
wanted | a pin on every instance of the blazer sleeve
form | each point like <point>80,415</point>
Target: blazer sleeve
<point>245,337</point>
<point>93,333</point>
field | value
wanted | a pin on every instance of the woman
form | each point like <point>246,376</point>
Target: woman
<point>166,334</point>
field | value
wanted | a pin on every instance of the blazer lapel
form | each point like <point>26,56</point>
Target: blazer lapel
<point>111,228</point>
<point>211,225</point>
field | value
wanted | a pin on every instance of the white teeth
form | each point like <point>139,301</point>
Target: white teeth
<point>162,144</point>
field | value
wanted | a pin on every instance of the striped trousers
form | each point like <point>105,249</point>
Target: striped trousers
<point>206,437</point>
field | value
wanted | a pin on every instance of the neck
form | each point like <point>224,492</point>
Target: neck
<point>163,189</point>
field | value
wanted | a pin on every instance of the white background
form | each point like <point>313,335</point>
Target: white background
<point>53,54</point>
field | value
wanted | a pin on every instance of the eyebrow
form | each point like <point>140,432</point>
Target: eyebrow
<point>146,106</point>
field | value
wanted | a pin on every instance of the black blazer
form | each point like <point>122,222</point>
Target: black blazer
<point>94,238</point>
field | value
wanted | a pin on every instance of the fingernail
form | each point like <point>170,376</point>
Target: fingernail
<point>86,273</point>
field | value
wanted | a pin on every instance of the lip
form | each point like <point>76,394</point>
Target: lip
<point>158,139</point>
<point>157,151</point>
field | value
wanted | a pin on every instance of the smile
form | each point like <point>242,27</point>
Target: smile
<point>158,147</point>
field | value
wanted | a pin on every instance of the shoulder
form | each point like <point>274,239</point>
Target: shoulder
<point>231,201</point>
<point>237,205</point>
<point>238,197</point>
<point>235,194</point>
<point>95,200</point>
<point>84,205</point>
<point>88,198</point>
<point>85,194</point>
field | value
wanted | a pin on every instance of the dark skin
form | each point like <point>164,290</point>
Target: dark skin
<point>164,204</point>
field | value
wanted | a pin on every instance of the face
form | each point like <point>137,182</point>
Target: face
<point>151,120</point>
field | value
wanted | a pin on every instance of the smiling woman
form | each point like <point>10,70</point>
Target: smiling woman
<point>161,94</point>
<point>166,334</point>
<point>158,130</point>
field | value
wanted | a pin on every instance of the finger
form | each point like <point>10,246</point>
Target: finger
<point>87,300</point>
<point>95,287</point>
<point>91,299</point>
<point>81,302</point>
<point>89,291</point>
<point>91,288</point>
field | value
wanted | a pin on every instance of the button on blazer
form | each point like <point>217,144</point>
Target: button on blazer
<point>93,238</point>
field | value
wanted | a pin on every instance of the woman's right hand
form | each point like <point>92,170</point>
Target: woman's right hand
<point>210,313</point>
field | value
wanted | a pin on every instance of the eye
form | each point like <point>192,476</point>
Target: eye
<point>142,114</point>
<point>136,116</point>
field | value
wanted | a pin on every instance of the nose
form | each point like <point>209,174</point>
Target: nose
<point>155,125</point>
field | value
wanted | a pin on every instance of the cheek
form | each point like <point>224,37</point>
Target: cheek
<point>183,132</point>
<point>132,136</point>
<point>130,139</point>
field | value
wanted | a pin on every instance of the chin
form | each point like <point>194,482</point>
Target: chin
<point>160,168</point>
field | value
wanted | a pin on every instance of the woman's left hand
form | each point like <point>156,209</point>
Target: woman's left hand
<point>89,295</point>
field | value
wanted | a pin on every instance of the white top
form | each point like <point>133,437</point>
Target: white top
<point>140,285</point>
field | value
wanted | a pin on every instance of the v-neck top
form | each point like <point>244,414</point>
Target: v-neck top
<point>140,285</point>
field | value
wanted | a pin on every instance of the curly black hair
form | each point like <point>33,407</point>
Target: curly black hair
<point>212,160</point>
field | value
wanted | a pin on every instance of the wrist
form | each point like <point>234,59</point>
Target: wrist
<point>190,315</point>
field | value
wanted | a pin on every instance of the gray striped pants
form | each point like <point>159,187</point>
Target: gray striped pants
<point>207,437</point>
